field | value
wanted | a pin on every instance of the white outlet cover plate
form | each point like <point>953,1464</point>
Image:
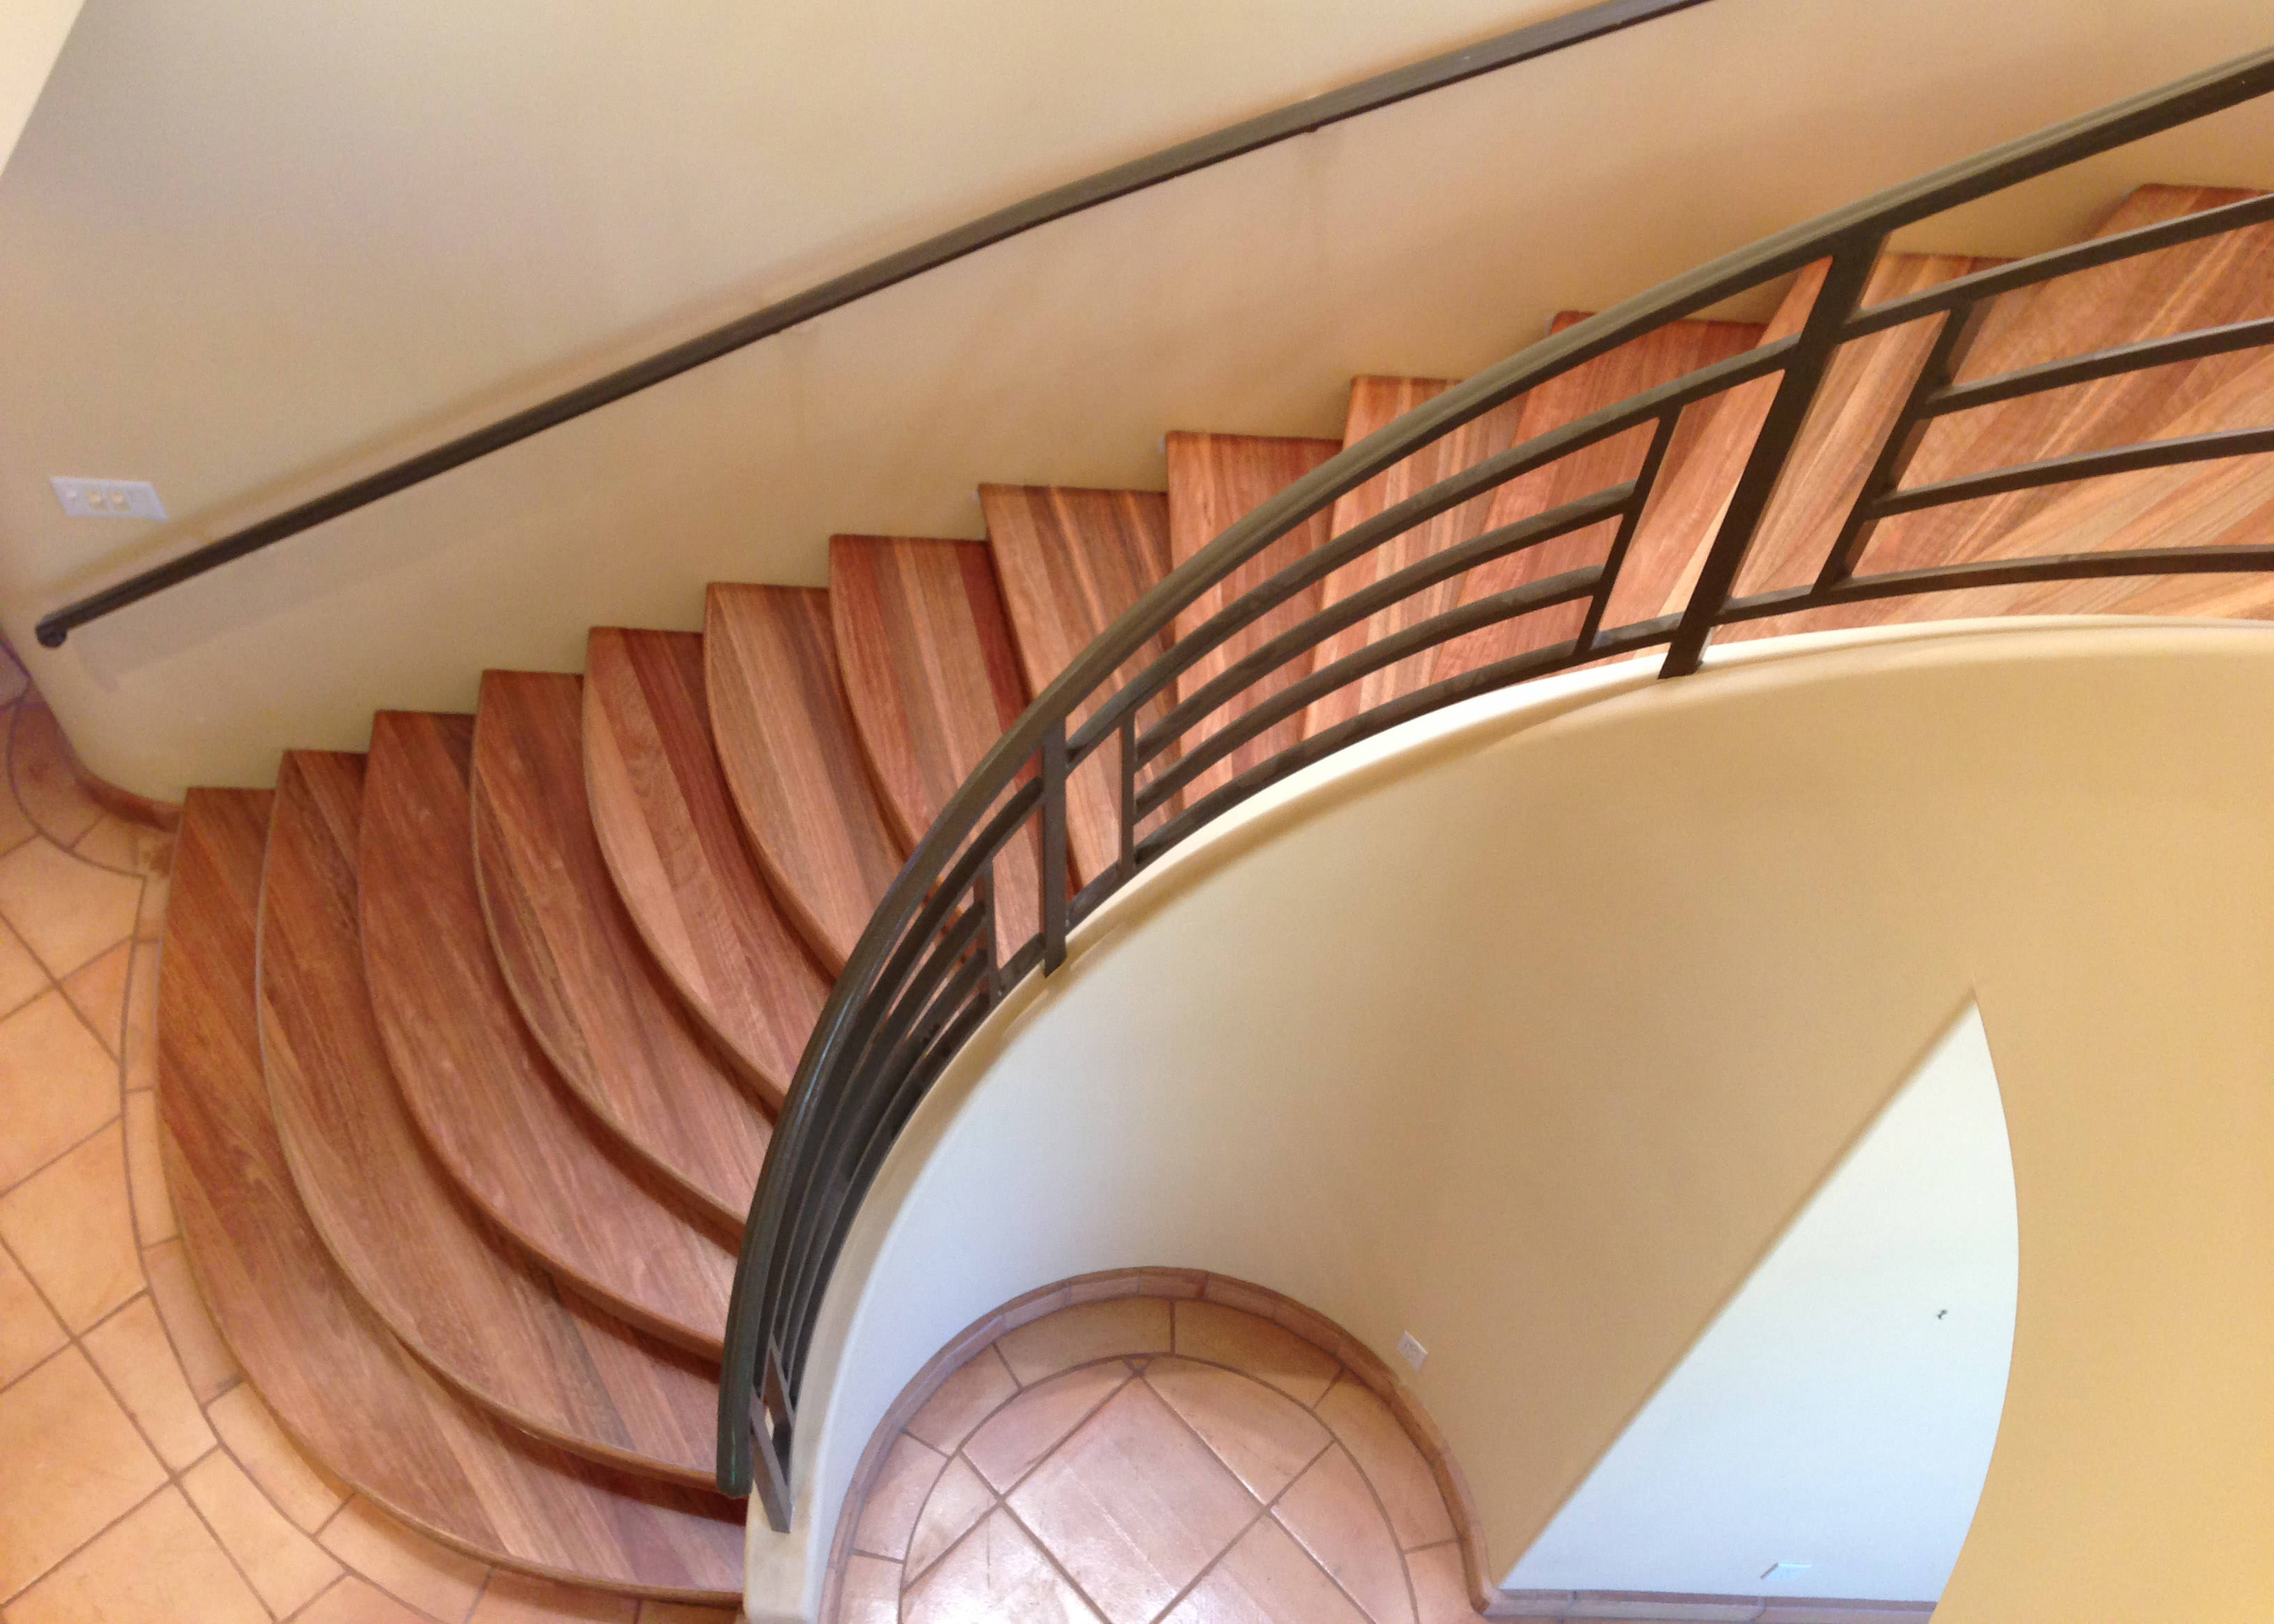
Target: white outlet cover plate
<point>1412,1351</point>
<point>108,499</point>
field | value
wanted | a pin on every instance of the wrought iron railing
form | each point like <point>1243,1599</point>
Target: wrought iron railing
<point>943,948</point>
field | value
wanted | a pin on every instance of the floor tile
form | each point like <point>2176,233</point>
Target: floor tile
<point>60,1429</point>
<point>301,1491</point>
<point>1441,1589</point>
<point>142,1017</point>
<point>158,1563</point>
<point>116,843</point>
<point>869,1592</point>
<point>15,827</point>
<point>997,1575</point>
<point>13,681</point>
<point>681,1612</point>
<point>29,1331</point>
<point>1264,1436</point>
<point>286,1567</point>
<point>1266,1578</point>
<point>896,1499</point>
<point>1031,1425</point>
<point>516,1598</point>
<point>957,1501</point>
<point>1133,1505</point>
<point>146,1174</point>
<point>1078,1335</point>
<point>131,1352</point>
<point>150,918</point>
<point>48,790</point>
<point>98,992</point>
<point>69,1226</point>
<point>66,911</point>
<point>1247,1298</point>
<point>56,1086</point>
<point>22,977</point>
<point>358,1601</point>
<point>1235,1337</point>
<point>407,1565</point>
<point>206,1359</point>
<point>1392,1464</point>
<point>1332,1513</point>
<point>971,1393</point>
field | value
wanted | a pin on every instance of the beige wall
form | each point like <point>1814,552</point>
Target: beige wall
<point>250,249</point>
<point>1529,1037</point>
<point>32,34</point>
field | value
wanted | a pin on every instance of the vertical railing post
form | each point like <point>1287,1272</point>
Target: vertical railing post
<point>1055,877</point>
<point>1126,864</point>
<point>1820,337</point>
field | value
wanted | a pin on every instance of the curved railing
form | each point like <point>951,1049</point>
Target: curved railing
<point>990,892</point>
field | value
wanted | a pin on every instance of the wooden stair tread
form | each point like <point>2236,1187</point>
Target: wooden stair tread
<point>1216,480</point>
<point>933,679</point>
<point>1072,562</point>
<point>596,1001</point>
<point>338,1382</point>
<point>668,830</point>
<point>505,1127</point>
<point>786,747</point>
<point>1701,461</point>
<point>443,1278</point>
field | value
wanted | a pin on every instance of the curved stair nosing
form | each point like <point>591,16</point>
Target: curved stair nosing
<point>704,1339</point>
<point>431,1433</point>
<point>691,1039</point>
<point>481,1233</point>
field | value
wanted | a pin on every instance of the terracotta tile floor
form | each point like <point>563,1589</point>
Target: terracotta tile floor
<point>141,1480</point>
<point>1146,1458</point>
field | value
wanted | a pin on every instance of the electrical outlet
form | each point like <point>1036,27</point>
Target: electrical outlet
<point>1412,1351</point>
<point>108,499</point>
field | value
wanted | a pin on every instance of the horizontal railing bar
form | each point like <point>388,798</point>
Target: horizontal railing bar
<point>2074,466</point>
<point>1418,638</point>
<point>1492,545</point>
<point>2012,572</point>
<point>1520,45</point>
<point>2064,261</point>
<point>2136,358</point>
<point>1448,493</point>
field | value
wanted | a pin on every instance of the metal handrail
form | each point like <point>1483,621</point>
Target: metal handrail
<point>1526,44</point>
<point>931,964</point>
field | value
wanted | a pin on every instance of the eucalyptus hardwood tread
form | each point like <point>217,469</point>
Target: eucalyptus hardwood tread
<point>668,830</point>
<point>933,679</point>
<point>450,1285</point>
<point>1072,562</point>
<point>345,1390</point>
<point>1216,480</point>
<point>792,762</point>
<point>506,1129</point>
<point>596,1001</point>
<point>1701,463</point>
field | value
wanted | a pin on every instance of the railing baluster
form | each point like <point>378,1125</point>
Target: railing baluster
<point>1055,886</point>
<point>1126,864</point>
<point>1828,320</point>
<point>1905,435</point>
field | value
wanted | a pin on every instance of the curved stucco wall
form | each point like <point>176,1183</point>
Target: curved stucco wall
<point>1530,1034</point>
<point>252,250</point>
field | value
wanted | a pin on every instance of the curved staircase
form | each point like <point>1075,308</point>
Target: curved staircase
<point>470,1048</point>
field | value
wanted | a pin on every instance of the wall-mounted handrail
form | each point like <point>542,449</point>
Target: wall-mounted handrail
<point>931,966</point>
<point>1526,44</point>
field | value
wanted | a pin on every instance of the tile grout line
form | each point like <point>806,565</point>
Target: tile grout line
<point>1264,1510</point>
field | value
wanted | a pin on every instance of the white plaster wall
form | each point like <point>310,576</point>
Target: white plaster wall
<point>250,249</point>
<point>1532,1036</point>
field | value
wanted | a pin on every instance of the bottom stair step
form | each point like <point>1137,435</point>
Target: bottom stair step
<point>340,1384</point>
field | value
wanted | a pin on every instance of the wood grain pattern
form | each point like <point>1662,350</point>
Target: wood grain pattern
<point>673,843</point>
<point>1375,402</point>
<point>933,679</point>
<point>442,1278</point>
<point>787,747</point>
<point>1215,480</point>
<point>341,1385</point>
<point>1698,450</point>
<point>594,998</point>
<point>506,1129</point>
<point>1072,562</point>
